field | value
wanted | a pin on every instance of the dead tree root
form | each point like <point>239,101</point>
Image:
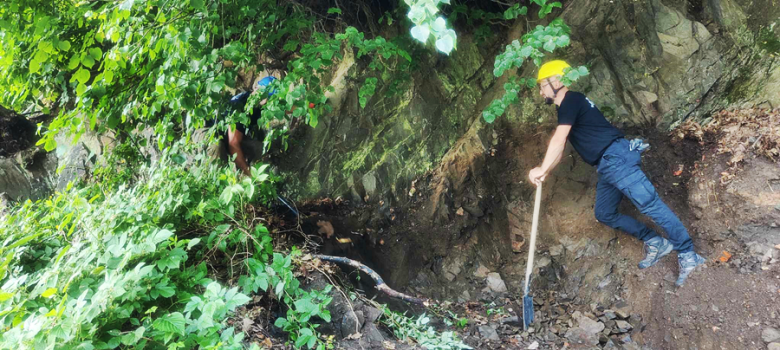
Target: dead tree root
<point>380,283</point>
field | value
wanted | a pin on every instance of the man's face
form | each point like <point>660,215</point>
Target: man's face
<point>546,88</point>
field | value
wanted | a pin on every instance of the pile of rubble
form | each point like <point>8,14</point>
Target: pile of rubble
<point>560,324</point>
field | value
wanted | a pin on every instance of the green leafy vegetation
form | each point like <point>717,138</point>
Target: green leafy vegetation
<point>165,65</point>
<point>94,269</point>
<point>423,13</point>
<point>420,331</point>
<point>534,46</point>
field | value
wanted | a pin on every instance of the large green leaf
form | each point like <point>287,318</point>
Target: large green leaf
<point>170,323</point>
<point>96,53</point>
<point>82,76</point>
<point>64,45</point>
<point>421,32</point>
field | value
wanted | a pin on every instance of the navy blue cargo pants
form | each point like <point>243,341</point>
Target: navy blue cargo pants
<point>620,175</point>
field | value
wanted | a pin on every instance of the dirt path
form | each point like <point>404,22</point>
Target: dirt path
<point>719,308</point>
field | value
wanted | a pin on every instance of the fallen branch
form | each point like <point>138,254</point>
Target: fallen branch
<point>380,283</point>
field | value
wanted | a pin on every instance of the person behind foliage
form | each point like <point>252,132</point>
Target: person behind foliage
<point>243,141</point>
<point>617,162</point>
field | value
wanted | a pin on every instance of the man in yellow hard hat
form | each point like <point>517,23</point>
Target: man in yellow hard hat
<point>617,161</point>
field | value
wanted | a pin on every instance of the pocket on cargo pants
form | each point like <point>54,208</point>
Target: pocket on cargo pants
<point>642,193</point>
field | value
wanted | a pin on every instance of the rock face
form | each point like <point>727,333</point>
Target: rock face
<point>651,62</point>
<point>656,63</point>
<point>28,175</point>
<point>33,173</point>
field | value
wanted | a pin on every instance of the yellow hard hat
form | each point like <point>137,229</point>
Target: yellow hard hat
<point>552,68</point>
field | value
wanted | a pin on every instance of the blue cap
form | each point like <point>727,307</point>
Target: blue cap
<point>265,82</point>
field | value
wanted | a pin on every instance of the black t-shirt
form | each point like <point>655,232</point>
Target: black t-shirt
<point>237,104</point>
<point>590,133</point>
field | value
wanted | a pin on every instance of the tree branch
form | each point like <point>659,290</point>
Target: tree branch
<point>380,283</point>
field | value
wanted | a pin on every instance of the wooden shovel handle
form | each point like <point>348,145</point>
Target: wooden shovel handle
<point>532,245</point>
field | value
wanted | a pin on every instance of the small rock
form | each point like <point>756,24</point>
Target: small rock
<point>452,270</point>
<point>589,325</point>
<point>556,250</point>
<point>350,324</point>
<point>488,333</point>
<point>770,335</point>
<point>631,346</point>
<point>622,310</point>
<point>715,308</point>
<point>464,297</point>
<point>481,272</point>
<point>635,320</point>
<point>372,314</point>
<point>373,334</point>
<point>543,262</point>
<point>609,314</point>
<point>603,339</point>
<point>534,345</point>
<point>361,318</point>
<point>580,336</point>
<point>623,326</point>
<point>495,283</point>
<point>774,346</point>
<point>626,339</point>
<point>511,320</point>
<point>596,309</point>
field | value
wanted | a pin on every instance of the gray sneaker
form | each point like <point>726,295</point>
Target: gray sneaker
<point>655,249</point>
<point>688,262</point>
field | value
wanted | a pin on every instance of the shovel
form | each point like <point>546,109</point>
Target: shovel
<point>528,301</point>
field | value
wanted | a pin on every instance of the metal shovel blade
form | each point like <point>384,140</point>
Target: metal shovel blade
<point>528,311</point>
